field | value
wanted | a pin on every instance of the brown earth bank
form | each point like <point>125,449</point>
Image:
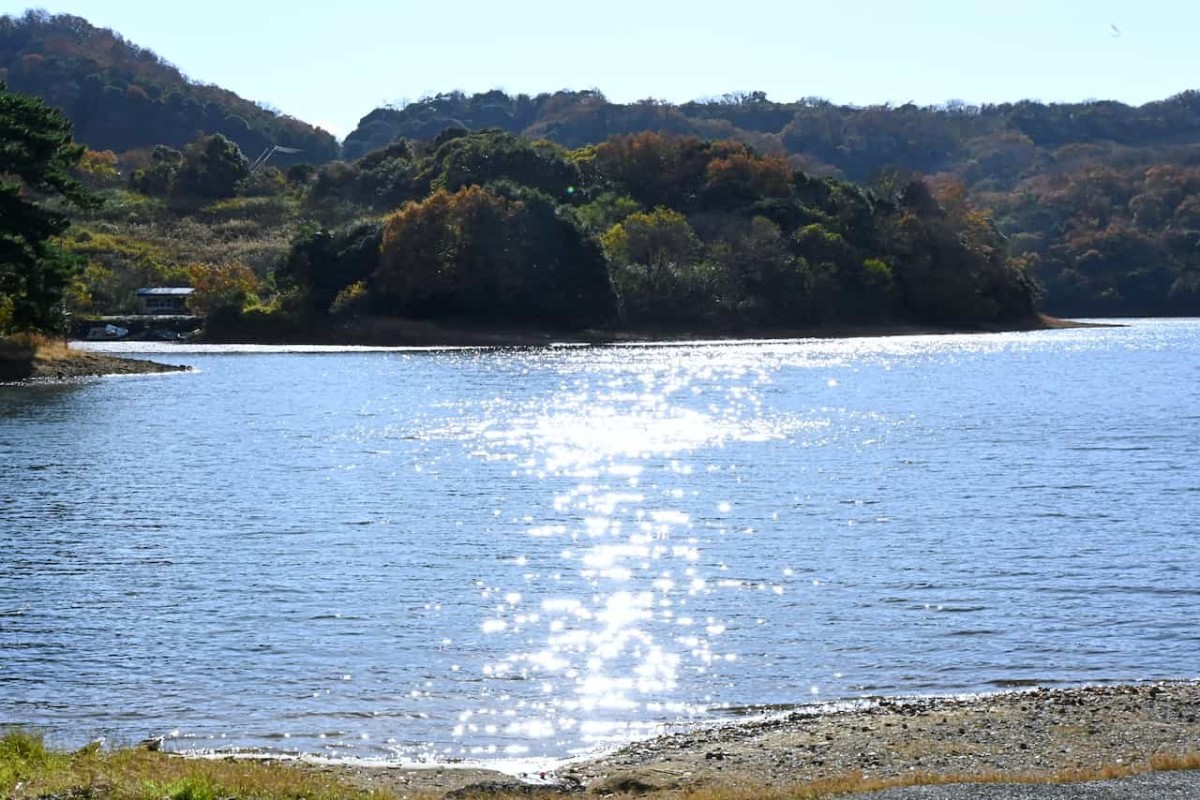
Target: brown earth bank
<point>55,361</point>
<point>1034,735</point>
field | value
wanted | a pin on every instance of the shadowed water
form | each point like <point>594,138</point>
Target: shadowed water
<point>467,553</point>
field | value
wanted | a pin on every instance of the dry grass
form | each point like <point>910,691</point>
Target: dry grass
<point>151,246</point>
<point>34,345</point>
<point>28,770</point>
<point>1166,763</point>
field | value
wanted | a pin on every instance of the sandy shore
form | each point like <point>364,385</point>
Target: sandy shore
<point>1033,734</point>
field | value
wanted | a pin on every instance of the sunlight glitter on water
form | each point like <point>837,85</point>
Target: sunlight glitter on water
<point>610,657</point>
<point>536,551</point>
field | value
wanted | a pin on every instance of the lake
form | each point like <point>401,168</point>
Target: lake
<point>533,553</point>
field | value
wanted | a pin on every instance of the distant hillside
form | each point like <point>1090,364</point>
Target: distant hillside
<point>1101,199</point>
<point>123,97</point>
<point>854,141</point>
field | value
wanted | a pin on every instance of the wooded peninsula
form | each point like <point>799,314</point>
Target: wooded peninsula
<point>567,213</point>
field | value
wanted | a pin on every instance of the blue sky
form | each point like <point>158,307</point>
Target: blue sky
<point>330,63</point>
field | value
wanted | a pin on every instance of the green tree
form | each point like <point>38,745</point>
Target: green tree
<point>212,168</point>
<point>493,155</point>
<point>322,262</point>
<point>37,156</point>
<point>657,271</point>
<point>157,177</point>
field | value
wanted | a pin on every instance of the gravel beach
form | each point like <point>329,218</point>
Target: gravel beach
<point>1036,732</point>
<point>1151,786</point>
<point>1029,735</point>
<point>77,365</point>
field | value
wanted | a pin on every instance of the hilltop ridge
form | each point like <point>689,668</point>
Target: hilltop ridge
<point>122,97</point>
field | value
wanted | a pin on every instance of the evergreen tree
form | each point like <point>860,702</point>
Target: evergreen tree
<point>36,157</point>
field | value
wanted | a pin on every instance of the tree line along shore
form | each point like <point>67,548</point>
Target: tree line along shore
<point>565,214</point>
<point>486,230</point>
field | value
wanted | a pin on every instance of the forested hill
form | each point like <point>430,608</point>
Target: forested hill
<point>1098,201</point>
<point>122,97</point>
<point>1101,199</point>
<point>853,141</point>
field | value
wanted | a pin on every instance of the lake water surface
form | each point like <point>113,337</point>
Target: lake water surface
<point>538,552</point>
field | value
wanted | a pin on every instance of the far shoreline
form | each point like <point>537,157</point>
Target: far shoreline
<point>405,332</point>
<point>56,362</point>
<point>400,332</point>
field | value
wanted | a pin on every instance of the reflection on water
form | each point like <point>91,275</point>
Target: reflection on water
<point>606,637</point>
<point>35,401</point>
<point>536,552</point>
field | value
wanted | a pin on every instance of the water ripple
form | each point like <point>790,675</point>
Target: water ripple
<point>445,553</point>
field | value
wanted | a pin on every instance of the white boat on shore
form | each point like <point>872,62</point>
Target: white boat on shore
<point>106,333</point>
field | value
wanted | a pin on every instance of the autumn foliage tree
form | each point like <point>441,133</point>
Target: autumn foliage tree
<point>661,169</point>
<point>955,267</point>
<point>688,233</point>
<point>1093,196</point>
<point>481,255</point>
<point>217,286</point>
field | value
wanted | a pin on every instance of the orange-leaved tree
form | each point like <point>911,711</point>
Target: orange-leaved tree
<point>507,255</point>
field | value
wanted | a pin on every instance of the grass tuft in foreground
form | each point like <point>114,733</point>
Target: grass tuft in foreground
<point>29,770</point>
<point>23,755</point>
